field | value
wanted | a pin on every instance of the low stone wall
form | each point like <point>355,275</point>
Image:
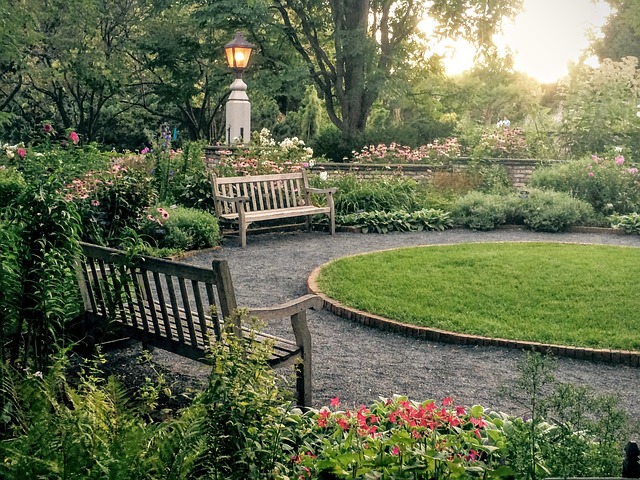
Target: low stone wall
<point>519,170</point>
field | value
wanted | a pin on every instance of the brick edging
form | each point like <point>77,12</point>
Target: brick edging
<point>617,357</point>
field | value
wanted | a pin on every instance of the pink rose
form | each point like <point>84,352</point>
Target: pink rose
<point>73,136</point>
<point>22,152</point>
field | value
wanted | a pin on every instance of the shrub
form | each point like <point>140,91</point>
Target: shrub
<point>549,211</point>
<point>181,228</point>
<point>480,211</point>
<point>12,184</point>
<point>329,143</point>
<point>609,185</point>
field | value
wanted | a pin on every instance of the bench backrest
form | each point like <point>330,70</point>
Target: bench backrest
<point>264,192</point>
<point>166,303</point>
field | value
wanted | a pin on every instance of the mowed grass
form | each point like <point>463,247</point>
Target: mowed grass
<point>568,294</point>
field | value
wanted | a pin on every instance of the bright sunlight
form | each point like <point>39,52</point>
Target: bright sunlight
<point>544,38</point>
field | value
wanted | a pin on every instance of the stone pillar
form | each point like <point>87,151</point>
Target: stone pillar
<point>238,113</point>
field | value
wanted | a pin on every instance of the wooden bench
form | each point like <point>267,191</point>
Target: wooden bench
<point>244,200</point>
<point>182,308</point>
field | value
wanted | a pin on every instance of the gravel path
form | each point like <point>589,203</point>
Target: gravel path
<point>359,364</point>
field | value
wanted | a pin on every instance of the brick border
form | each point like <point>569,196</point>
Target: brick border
<point>617,357</point>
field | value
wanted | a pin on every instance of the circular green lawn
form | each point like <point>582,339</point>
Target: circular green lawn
<point>568,294</point>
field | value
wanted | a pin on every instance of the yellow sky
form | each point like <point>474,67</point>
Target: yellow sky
<point>545,37</point>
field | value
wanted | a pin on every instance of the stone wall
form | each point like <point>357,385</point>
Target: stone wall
<point>519,170</point>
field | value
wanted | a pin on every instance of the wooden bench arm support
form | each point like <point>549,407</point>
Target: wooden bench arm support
<point>297,310</point>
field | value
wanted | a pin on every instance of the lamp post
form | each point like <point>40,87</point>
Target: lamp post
<point>238,108</point>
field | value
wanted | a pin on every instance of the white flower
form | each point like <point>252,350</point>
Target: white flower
<point>619,149</point>
<point>324,176</point>
<point>38,374</point>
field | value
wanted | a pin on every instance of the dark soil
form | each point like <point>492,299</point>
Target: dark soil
<point>360,364</point>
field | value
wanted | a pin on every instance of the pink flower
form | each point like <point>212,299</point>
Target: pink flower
<point>73,136</point>
<point>447,401</point>
<point>144,151</point>
<point>396,451</point>
<point>590,174</point>
<point>335,401</point>
<point>47,128</point>
<point>95,203</point>
<point>164,213</point>
<point>619,160</point>
<point>22,152</point>
<point>632,170</point>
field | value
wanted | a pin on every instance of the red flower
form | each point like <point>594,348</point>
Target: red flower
<point>22,152</point>
<point>335,401</point>
<point>447,401</point>
<point>47,128</point>
<point>73,136</point>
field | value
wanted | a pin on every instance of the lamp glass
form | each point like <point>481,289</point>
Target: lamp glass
<point>238,52</point>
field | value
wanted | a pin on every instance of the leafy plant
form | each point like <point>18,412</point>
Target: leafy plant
<point>569,432</point>
<point>629,223</point>
<point>549,211</point>
<point>12,184</point>
<point>181,228</point>
<point>384,222</point>
<point>237,428</point>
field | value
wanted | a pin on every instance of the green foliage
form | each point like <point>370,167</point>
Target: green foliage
<point>12,185</point>
<point>586,437</point>
<point>400,221</point>
<point>180,228</point>
<point>386,193</point>
<point>609,184</point>
<point>600,108</point>
<point>549,211</point>
<point>237,428</point>
<point>330,144</point>
<point>53,429</point>
<point>49,229</point>
<point>629,223</point>
<point>480,211</point>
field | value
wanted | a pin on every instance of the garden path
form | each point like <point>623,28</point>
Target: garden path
<point>359,364</point>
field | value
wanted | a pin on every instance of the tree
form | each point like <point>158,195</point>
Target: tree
<point>351,47</point>
<point>621,32</point>
<point>600,107</point>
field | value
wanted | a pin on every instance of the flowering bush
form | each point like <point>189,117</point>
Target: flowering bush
<point>398,438</point>
<point>610,184</point>
<point>111,201</point>
<point>502,143</point>
<point>393,153</point>
<point>265,156</point>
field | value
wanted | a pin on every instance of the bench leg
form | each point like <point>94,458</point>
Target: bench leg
<point>303,383</point>
<point>332,223</point>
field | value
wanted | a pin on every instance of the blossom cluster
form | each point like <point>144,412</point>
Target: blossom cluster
<point>602,163</point>
<point>402,432</point>
<point>395,153</point>
<point>265,157</point>
<point>503,143</point>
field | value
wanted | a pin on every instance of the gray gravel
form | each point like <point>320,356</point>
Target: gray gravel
<point>359,364</point>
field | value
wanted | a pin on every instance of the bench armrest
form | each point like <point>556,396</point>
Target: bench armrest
<point>296,310</point>
<point>287,309</point>
<point>330,191</point>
